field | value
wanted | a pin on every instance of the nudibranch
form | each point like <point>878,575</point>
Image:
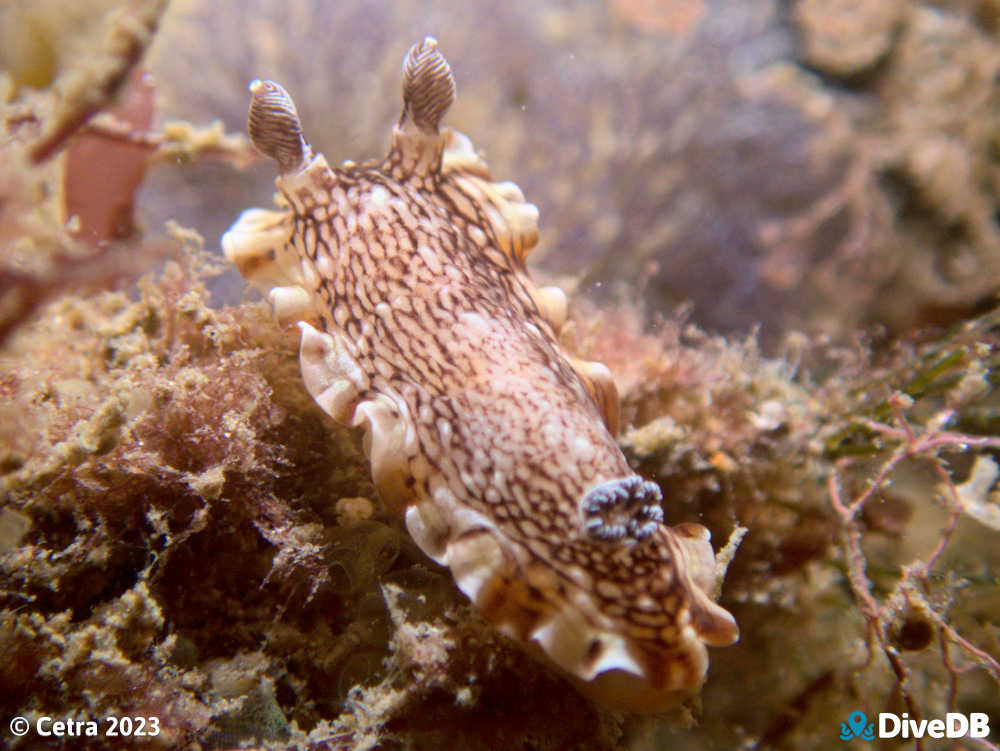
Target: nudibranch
<point>420,324</point>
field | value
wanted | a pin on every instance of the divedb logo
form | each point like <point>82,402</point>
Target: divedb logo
<point>954,725</point>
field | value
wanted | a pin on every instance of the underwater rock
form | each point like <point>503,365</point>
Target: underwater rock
<point>678,151</point>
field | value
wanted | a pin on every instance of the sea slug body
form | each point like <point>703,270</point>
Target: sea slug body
<point>420,324</point>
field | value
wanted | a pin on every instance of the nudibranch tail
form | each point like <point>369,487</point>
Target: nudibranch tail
<point>420,324</point>
<point>274,126</point>
<point>428,85</point>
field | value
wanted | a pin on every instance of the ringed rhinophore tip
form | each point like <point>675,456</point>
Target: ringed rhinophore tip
<point>274,126</point>
<point>428,85</point>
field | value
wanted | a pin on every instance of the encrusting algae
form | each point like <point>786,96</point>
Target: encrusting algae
<point>493,443</point>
